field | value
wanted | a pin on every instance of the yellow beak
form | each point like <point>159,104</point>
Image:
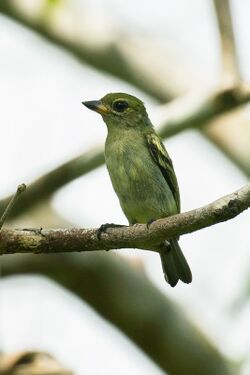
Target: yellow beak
<point>97,106</point>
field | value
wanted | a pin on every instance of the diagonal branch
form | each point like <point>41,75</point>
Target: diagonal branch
<point>46,185</point>
<point>140,236</point>
<point>21,188</point>
<point>106,51</point>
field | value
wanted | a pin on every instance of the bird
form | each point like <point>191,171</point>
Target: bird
<point>142,173</point>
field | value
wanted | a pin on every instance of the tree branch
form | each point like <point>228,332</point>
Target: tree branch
<point>45,186</point>
<point>195,110</point>
<point>21,188</point>
<point>139,236</point>
<point>230,63</point>
<point>114,53</point>
<point>31,363</point>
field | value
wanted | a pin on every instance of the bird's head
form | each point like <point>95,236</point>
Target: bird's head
<point>120,110</point>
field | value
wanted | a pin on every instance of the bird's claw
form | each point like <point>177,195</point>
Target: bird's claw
<point>150,222</point>
<point>104,227</point>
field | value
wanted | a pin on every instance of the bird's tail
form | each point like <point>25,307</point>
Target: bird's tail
<point>174,264</point>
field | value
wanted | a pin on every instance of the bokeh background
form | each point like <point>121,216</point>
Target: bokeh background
<point>157,50</point>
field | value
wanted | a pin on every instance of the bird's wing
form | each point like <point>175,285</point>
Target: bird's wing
<point>162,159</point>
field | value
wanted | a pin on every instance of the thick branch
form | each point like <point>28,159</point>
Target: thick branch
<point>188,112</point>
<point>138,236</point>
<point>230,63</point>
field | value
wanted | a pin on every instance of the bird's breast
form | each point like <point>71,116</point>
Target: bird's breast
<point>137,180</point>
<point>125,162</point>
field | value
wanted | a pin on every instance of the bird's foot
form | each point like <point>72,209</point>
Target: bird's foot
<point>104,227</point>
<point>150,222</point>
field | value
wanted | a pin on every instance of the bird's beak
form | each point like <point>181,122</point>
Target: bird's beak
<point>97,106</point>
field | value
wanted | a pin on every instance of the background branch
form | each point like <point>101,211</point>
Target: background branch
<point>106,51</point>
<point>124,296</point>
<point>230,63</point>
<point>46,185</point>
<point>139,236</point>
<point>31,363</point>
<point>197,109</point>
<point>21,188</point>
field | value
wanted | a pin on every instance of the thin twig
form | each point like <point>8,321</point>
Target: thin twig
<point>140,236</point>
<point>230,64</point>
<point>21,188</point>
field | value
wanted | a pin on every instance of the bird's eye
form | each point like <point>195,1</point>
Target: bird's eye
<point>120,106</point>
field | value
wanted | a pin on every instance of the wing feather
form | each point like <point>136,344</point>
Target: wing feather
<point>162,159</point>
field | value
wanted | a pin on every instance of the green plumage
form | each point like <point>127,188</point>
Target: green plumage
<point>142,173</point>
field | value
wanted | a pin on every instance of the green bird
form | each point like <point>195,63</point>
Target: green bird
<point>142,173</point>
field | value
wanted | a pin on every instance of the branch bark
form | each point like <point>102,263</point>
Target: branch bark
<point>138,236</point>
